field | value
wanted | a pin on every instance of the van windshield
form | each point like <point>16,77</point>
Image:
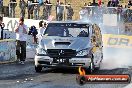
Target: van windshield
<point>67,31</point>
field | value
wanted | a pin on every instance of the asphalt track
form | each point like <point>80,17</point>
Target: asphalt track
<point>15,75</point>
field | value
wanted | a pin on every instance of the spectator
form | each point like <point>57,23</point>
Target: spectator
<point>60,10</point>
<point>115,3</point>
<point>2,25</point>
<point>109,3</point>
<point>40,2</point>
<point>119,11</point>
<point>94,3</point>
<point>89,4</point>
<point>33,31</point>
<point>129,3</point>
<point>22,5</point>
<point>48,7</point>
<point>45,12</point>
<point>21,30</point>
<point>83,13</point>
<point>12,6</point>
<point>36,11</point>
<point>102,5</point>
<point>70,12</point>
<point>1,6</point>
<point>30,9</point>
<point>41,30</point>
<point>57,4</point>
<point>85,4</point>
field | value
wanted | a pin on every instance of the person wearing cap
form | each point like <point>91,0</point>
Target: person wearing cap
<point>21,30</point>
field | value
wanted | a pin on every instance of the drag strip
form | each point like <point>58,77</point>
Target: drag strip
<point>24,76</point>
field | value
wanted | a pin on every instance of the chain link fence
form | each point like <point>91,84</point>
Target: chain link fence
<point>116,20</point>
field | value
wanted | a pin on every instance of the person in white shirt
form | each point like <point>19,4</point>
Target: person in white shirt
<point>83,14</point>
<point>21,30</point>
<point>41,30</point>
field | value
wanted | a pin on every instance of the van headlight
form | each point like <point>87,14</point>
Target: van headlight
<point>83,52</point>
<point>41,51</point>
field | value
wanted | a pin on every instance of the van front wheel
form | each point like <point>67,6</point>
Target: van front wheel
<point>38,68</point>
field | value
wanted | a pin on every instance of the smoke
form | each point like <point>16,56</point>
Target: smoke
<point>116,58</point>
<point>112,57</point>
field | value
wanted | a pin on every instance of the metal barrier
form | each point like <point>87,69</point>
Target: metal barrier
<point>110,19</point>
<point>127,15</point>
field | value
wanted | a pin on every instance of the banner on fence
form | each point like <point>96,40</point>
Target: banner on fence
<point>117,41</point>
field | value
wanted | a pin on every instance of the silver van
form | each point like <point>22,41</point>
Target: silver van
<point>70,44</point>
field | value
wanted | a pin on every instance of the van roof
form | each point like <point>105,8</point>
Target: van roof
<point>76,22</point>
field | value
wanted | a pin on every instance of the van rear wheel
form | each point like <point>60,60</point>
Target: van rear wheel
<point>98,68</point>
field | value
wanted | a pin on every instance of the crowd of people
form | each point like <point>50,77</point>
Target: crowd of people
<point>62,11</point>
<point>33,9</point>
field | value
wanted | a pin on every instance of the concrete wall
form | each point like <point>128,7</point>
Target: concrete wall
<point>7,50</point>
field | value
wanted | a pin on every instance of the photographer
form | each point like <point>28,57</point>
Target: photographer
<point>33,31</point>
<point>21,30</point>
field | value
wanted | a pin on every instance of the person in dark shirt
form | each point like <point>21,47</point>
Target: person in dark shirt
<point>33,31</point>
<point>48,7</point>
<point>36,11</point>
<point>1,6</point>
<point>94,3</point>
<point>70,12</point>
<point>12,6</point>
<point>129,3</point>
<point>30,8</point>
<point>59,11</point>
<point>109,3</point>
<point>22,5</point>
<point>2,25</point>
<point>45,12</point>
